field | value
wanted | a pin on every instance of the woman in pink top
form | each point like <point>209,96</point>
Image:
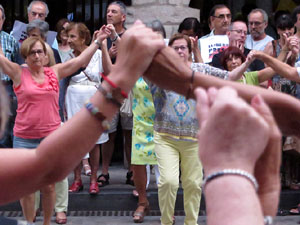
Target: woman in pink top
<point>37,91</point>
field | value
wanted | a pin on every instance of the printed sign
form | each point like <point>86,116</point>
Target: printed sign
<point>212,45</point>
<point>19,33</point>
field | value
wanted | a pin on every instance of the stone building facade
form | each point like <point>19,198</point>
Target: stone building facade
<point>169,12</point>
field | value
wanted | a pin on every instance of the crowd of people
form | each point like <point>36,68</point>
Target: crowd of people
<point>65,99</point>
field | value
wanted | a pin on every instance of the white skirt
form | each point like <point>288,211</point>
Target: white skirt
<point>76,97</point>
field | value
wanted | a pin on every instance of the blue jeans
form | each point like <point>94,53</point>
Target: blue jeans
<point>26,143</point>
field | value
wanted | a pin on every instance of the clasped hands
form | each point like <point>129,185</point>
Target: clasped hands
<point>238,135</point>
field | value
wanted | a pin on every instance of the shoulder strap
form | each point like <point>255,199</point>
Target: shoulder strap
<point>274,43</point>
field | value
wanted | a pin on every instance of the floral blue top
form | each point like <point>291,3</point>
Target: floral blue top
<point>175,116</point>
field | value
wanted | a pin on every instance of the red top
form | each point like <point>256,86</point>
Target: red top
<point>37,113</point>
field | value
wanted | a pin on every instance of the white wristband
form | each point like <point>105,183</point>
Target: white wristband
<point>238,172</point>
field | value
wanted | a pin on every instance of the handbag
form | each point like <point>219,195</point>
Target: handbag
<point>126,108</point>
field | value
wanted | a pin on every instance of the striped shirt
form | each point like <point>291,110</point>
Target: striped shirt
<point>10,49</point>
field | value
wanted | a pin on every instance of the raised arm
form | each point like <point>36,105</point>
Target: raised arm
<point>61,151</point>
<point>177,77</point>
<point>196,50</point>
<point>69,67</point>
<point>114,37</point>
<point>106,60</point>
<point>238,72</point>
<point>13,70</point>
<point>279,67</point>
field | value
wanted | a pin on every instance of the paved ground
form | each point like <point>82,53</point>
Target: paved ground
<point>151,220</point>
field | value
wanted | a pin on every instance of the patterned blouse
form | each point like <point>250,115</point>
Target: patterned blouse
<point>175,115</point>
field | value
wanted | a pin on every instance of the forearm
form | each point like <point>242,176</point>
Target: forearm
<point>279,67</point>
<point>238,72</point>
<point>69,67</point>
<point>232,196</point>
<point>283,55</point>
<point>197,55</point>
<point>265,74</point>
<point>12,69</point>
<point>106,61</point>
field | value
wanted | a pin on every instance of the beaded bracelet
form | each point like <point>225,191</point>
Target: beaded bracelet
<point>95,112</point>
<point>238,172</point>
<point>112,96</point>
<point>112,84</point>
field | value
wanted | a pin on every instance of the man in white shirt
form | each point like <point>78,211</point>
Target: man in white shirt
<point>257,23</point>
<point>220,19</point>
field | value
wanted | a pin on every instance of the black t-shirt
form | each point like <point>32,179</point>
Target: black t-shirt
<point>254,66</point>
<point>109,44</point>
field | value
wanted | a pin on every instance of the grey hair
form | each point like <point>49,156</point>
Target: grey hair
<point>33,2</point>
<point>121,5</point>
<point>156,25</point>
<point>43,26</point>
<point>3,12</point>
<point>263,12</point>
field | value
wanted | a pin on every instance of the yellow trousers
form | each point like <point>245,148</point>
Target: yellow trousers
<point>170,153</point>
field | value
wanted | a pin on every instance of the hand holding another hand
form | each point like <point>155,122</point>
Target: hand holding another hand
<point>136,50</point>
<point>234,134</point>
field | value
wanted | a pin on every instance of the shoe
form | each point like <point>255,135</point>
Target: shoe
<point>94,189</point>
<point>295,210</point>
<point>129,178</point>
<point>87,170</point>
<point>61,219</point>
<point>101,182</point>
<point>141,211</point>
<point>135,193</point>
<point>76,187</point>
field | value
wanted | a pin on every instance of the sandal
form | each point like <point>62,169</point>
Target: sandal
<point>295,210</point>
<point>94,189</point>
<point>61,218</point>
<point>87,170</point>
<point>76,187</point>
<point>129,179</point>
<point>135,193</point>
<point>141,211</point>
<point>101,182</point>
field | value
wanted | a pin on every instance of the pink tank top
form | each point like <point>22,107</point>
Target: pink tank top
<point>37,113</point>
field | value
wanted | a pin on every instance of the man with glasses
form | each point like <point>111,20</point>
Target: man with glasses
<point>220,19</point>
<point>257,22</point>
<point>237,34</point>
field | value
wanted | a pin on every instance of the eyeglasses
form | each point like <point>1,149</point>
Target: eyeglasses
<point>222,16</point>
<point>255,23</point>
<point>40,15</point>
<point>182,48</point>
<point>34,52</point>
<point>240,32</point>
